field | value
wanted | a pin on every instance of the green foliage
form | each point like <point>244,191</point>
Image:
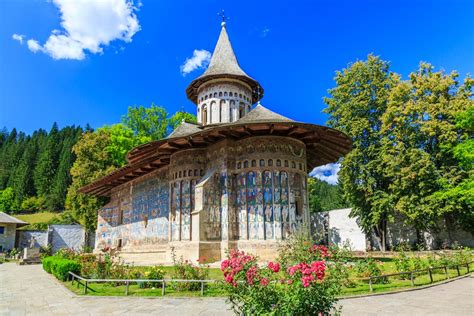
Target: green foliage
<point>423,132</point>
<point>306,287</point>
<point>186,270</point>
<point>7,200</point>
<point>47,263</point>
<point>369,267</point>
<point>34,203</point>
<point>60,267</point>
<point>323,196</point>
<point>356,106</point>
<point>412,146</point>
<point>37,165</point>
<point>148,122</point>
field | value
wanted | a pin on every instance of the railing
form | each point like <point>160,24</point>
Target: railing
<point>412,273</point>
<point>127,282</point>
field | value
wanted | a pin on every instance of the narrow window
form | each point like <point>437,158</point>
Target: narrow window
<point>262,162</point>
<point>270,162</point>
<point>278,163</point>
<point>254,163</point>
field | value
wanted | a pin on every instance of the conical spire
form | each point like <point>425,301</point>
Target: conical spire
<point>224,64</point>
<point>223,59</point>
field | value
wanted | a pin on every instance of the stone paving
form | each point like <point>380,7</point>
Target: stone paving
<point>28,290</point>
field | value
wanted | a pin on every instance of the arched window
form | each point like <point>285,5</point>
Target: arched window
<point>212,110</point>
<point>239,165</point>
<point>205,97</point>
<point>262,162</point>
<point>195,172</point>
<point>241,109</point>
<point>270,162</point>
<point>246,164</point>
<point>286,163</point>
<point>231,110</point>
<point>204,114</point>
<point>293,165</point>
<point>215,94</point>
<point>254,163</point>
<point>240,95</point>
<point>220,94</point>
<point>230,94</point>
<point>278,163</point>
<point>221,105</point>
<point>225,93</point>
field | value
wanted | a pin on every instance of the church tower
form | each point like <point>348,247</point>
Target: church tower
<point>224,92</point>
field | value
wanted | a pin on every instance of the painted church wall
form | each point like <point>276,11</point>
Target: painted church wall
<point>137,214</point>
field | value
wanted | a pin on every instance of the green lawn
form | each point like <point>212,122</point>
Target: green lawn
<point>212,290</point>
<point>42,217</point>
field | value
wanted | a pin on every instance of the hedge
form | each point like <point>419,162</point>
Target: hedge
<point>61,267</point>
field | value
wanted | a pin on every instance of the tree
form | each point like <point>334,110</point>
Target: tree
<point>151,122</point>
<point>324,196</point>
<point>356,106</point>
<point>419,154</point>
<point>122,140</point>
<point>7,200</point>
<point>179,117</point>
<point>93,161</point>
<point>47,163</point>
<point>22,182</point>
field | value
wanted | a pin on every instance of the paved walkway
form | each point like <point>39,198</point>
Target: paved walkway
<point>28,290</point>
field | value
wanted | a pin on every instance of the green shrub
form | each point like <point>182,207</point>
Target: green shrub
<point>186,270</point>
<point>368,267</point>
<point>61,268</point>
<point>47,262</point>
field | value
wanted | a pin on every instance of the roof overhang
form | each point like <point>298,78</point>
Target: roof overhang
<point>193,88</point>
<point>323,145</point>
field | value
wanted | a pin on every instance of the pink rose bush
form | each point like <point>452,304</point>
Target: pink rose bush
<point>304,287</point>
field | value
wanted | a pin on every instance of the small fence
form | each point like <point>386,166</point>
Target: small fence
<point>412,273</point>
<point>127,282</point>
<point>86,282</point>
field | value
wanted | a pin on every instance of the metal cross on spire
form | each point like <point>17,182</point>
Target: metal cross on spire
<point>223,16</point>
<point>259,94</point>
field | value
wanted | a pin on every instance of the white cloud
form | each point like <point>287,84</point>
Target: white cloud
<point>200,59</point>
<point>89,26</point>
<point>265,32</point>
<point>34,46</point>
<point>18,37</point>
<point>327,173</point>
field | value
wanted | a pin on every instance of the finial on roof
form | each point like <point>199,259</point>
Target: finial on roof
<point>259,94</point>
<point>224,18</point>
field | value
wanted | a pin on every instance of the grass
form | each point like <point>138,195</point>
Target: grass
<point>214,290</point>
<point>36,218</point>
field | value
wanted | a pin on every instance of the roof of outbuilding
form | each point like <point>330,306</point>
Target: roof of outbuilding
<point>7,219</point>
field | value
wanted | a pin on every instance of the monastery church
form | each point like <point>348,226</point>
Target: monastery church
<point>235,180</point>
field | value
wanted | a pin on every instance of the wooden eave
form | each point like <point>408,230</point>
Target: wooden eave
<point>324,145</point>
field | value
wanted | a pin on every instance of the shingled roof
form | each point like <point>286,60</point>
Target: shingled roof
<point>7,219</point>
<point>224,64</point>
<point>184,129</point>
<point>262,114</point>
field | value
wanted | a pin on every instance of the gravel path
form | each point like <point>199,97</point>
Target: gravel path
<point>28,290</point>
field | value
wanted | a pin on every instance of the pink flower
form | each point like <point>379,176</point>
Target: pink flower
<point>275,267</point>
<point>225,264</point>
<point>229,279</point>
<point>264,281</point>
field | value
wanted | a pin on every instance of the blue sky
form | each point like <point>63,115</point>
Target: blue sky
<point>292,48</point>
